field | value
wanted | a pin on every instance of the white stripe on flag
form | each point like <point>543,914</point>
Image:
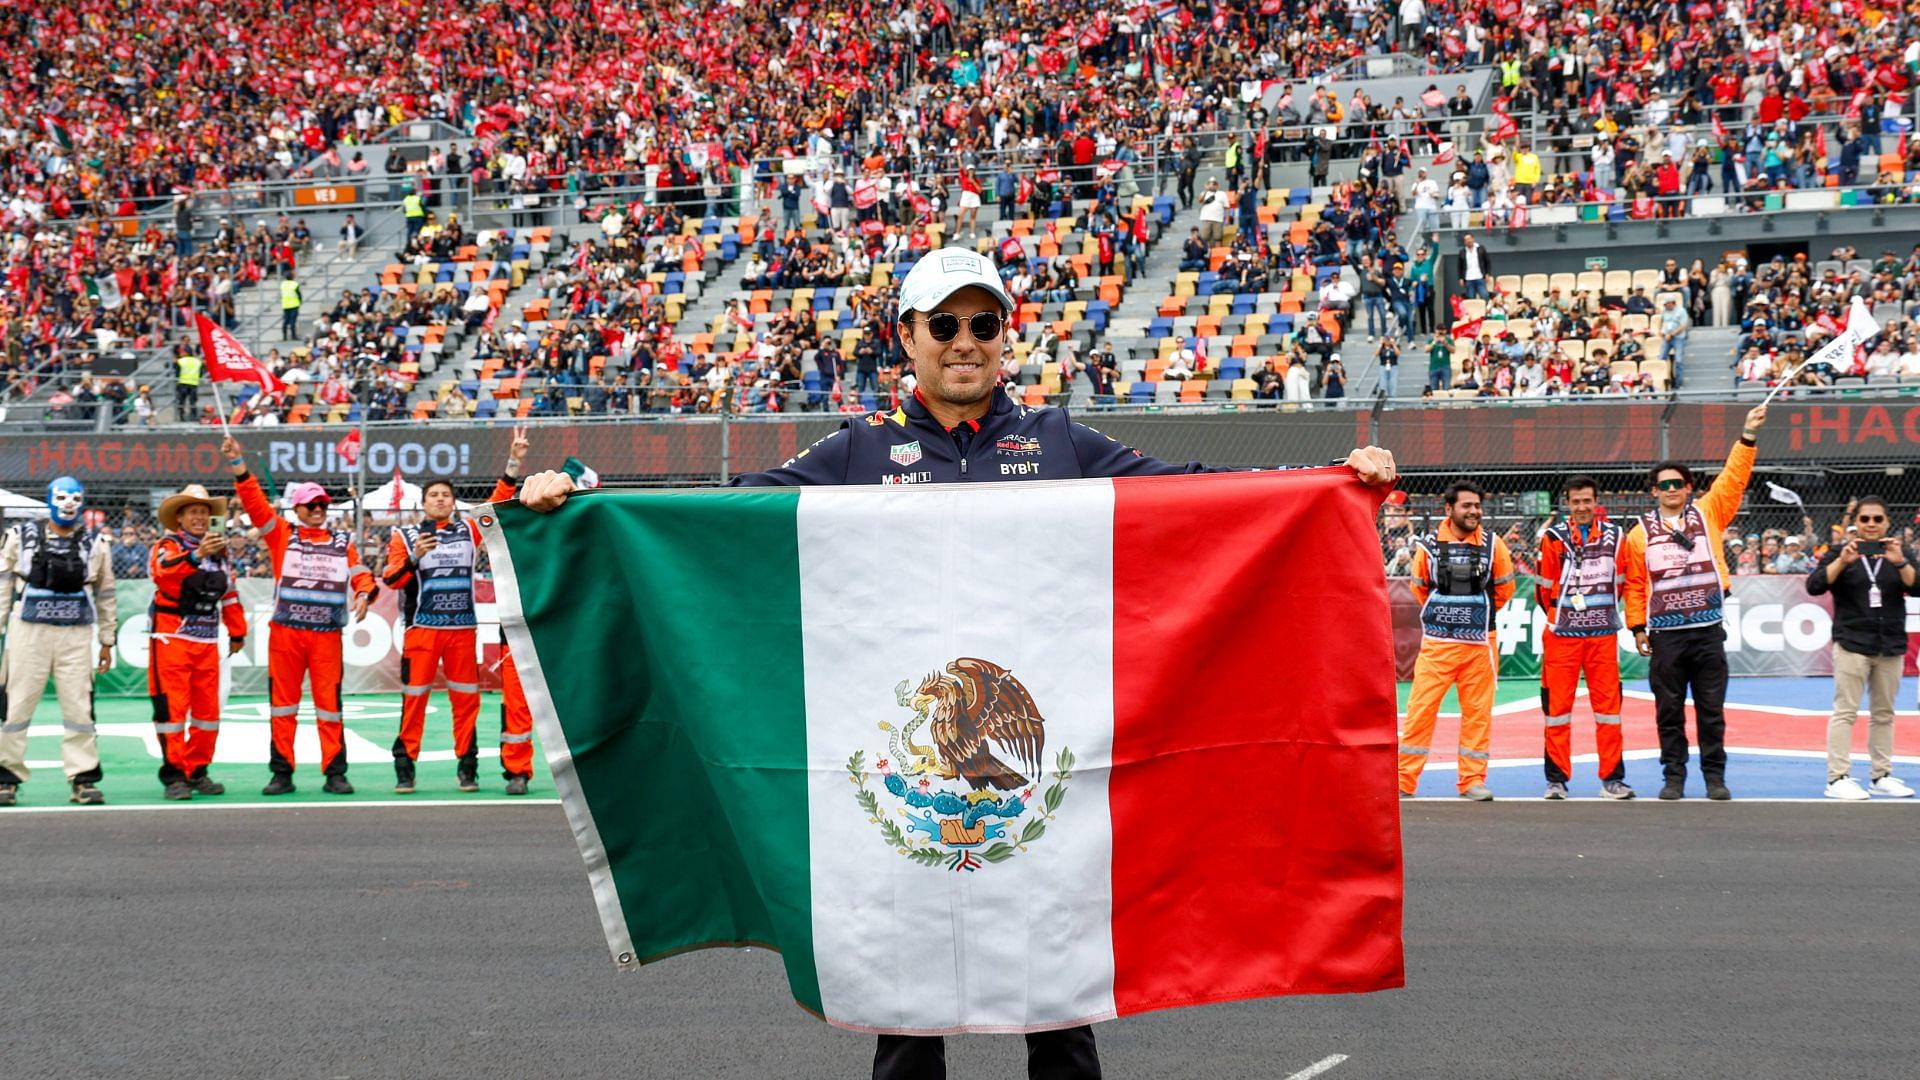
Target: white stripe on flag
<point>553,741</point>
<point>1019,574</point>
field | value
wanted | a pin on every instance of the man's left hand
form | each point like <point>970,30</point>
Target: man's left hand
<point>1373,465</point>
<point>1895,556</point>
<point>106,660</point>
<point>360,604</point>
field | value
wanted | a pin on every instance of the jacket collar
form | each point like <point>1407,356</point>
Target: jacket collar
<point>916,409</point>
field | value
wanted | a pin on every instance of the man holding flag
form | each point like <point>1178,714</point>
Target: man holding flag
<point>961,427</point>
<point>318,580</point>
<point>1675,591</point>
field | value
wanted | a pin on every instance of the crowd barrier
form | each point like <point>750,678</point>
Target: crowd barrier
<point>1551,437</point>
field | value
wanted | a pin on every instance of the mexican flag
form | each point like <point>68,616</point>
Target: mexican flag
<point>1100,747</point>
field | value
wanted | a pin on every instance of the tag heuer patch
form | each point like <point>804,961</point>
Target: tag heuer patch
<point>906,453</point>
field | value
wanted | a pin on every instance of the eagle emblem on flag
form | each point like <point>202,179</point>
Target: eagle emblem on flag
<point>968,798</point>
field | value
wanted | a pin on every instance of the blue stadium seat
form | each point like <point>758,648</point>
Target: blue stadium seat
<point>1160,327</point>
<point>1233,367</point>
<point>1243,303</point>
<point>1164,208</point>
<point>811,380</point>
<point>1299,196</point>
<point>709,226</point>
<point>1142,393</point>
<point>823,301</point>
<point>483,409</point>
<point>729,247</point>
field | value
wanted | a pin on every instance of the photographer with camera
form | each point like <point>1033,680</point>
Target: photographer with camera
<point>1462,576</point>
<point>193,594</point>
<point>1869,578</point>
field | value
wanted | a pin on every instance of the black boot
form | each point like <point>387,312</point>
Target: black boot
<point>178,791</point>
<point>281,784</point>
<point>337,785</point>
<point>402,776</point>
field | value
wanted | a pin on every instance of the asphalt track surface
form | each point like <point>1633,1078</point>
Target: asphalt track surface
<point>1543,940</point>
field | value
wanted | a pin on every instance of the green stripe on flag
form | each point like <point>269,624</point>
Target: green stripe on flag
<point>676,655</point>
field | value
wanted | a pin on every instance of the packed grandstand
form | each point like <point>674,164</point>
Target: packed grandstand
<point>665,208</point>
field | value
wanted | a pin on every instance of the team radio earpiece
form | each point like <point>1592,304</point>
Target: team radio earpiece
<point>65,499</point>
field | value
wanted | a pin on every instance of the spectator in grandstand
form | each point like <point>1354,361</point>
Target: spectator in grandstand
<point>1867,577</point>
<point>1333,379</point>
<point>1388,358</point>
<point>1439,364</point>
<point>1194,253</point>
<point>1473,268</point>
<point>1213,213</point>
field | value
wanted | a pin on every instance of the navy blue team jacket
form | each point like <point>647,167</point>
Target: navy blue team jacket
<point>1012,442</point>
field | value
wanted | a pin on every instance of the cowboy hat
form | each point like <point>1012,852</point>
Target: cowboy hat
<point>193,493</point>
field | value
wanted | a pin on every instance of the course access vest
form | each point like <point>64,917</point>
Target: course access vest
<point>198,596</point>
<point>312,591</point>
<point>55,569</point>
<point>441,592</point>
<point>1588,604</point>
<point>1459,581</point>
<point>1683,584</point>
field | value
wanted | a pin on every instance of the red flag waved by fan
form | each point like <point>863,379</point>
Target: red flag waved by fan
<point>229,361</point>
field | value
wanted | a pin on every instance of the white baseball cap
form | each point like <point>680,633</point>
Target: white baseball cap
<point>940,274</point>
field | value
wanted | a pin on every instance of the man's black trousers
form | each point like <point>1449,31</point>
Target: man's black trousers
<point>1067,1054</point>
<point>1690,660</point>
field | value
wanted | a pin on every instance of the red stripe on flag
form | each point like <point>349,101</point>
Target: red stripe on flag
<point>1256,822</point>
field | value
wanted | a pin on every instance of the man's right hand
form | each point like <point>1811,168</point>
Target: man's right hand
<point>1850,554</point>
<point>517,450</point>
<point>425,544</point>
<point>211,545</point>
<point>545,491</point>
<point>230,450</point>
<point>1641,644</point>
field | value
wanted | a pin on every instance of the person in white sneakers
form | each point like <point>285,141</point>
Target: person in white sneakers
<point>1869,578</point>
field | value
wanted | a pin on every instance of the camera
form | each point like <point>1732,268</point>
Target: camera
<point>1870,548</point>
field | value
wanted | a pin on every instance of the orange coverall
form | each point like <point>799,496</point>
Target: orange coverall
<point>427,649</point>
<point>183,664</point>
<point>1564,658</point>
<point>303,638</point>
<point>516,718</point>
<point>1470,665</point>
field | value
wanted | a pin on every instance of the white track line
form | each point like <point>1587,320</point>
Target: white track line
<point>1318,1067</point>
<point>344,803</point>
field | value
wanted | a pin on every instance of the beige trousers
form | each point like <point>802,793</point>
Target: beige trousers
<point>1879,677</point>
<point>35,653</point>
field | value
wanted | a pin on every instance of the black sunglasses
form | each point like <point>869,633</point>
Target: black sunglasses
<point>1669,485</point>
<point>1865,520</point>
<point>945,326</point>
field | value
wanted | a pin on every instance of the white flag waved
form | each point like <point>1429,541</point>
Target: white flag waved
<point>1784,494</point>
<point>1860,327</point>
